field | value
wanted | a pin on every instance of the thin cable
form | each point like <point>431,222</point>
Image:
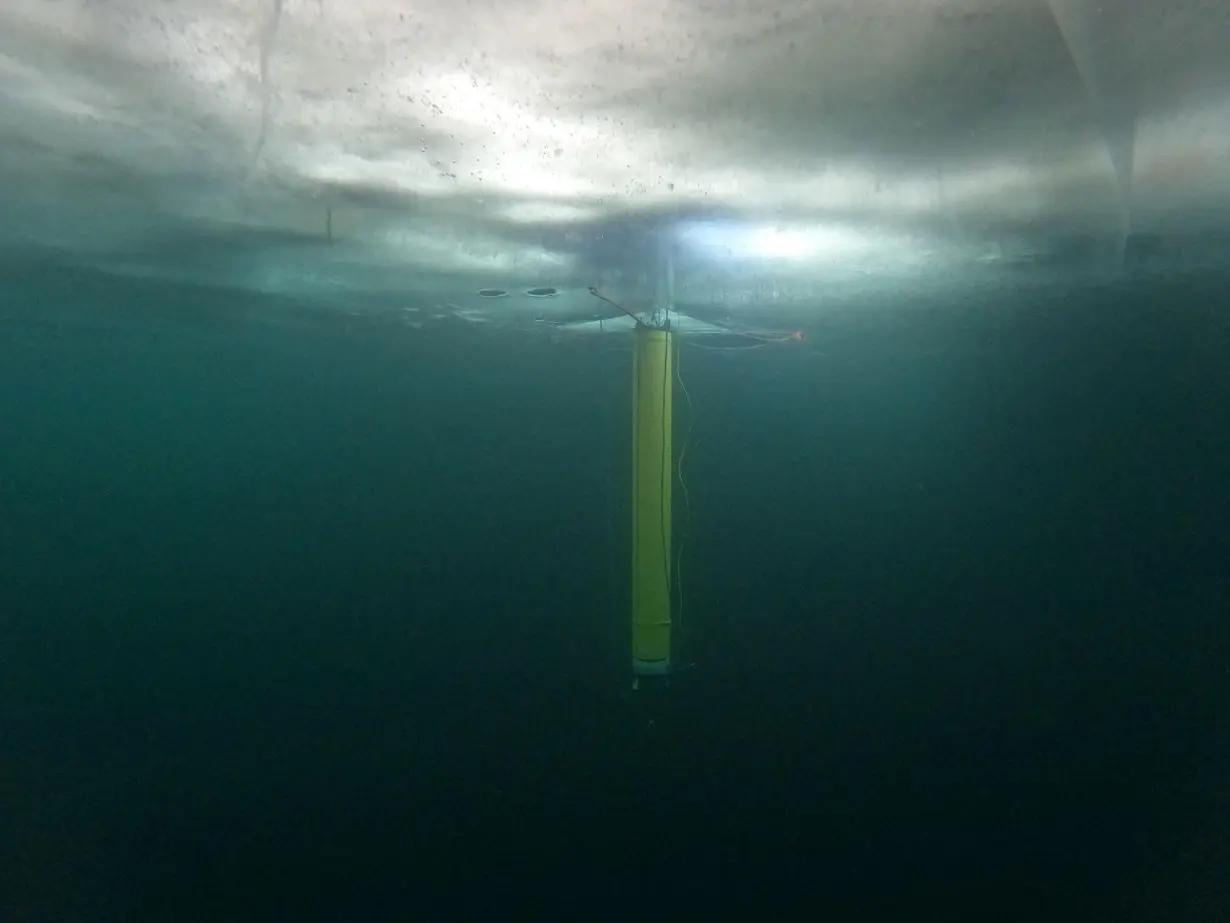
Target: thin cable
<point>728,349</point>
<point>762,337</point>
<point>687,502</point>
<point>778,338</point>
<point>740,349</point>
<point>611,539</point>
<point>593,290</point>
<point>665,464</point>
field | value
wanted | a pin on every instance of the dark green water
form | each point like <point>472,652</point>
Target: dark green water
<point>316,618</point>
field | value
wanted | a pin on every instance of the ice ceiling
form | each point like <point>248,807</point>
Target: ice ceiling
<point>785,153</point>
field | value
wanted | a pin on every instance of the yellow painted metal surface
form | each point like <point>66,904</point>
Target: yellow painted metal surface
<point>651,502</point>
